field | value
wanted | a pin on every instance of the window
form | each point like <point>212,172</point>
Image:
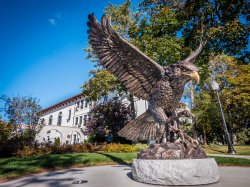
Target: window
<point>76,121</point>
<point>81,104</point>
<point>59,120</point>
<point>86,103</point>
<point>80,122</point>
<point>85,119</point>
<point>50,119</point>
<point>77,105</point>
<point>69,115</point>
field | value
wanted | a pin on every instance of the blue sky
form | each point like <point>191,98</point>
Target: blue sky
<point>41,47</point>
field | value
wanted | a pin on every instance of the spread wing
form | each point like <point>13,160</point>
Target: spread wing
<point>135,70</point>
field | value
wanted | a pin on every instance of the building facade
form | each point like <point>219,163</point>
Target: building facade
<point>66,120</point>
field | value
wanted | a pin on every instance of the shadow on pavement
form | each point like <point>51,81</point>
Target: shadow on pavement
<point>52,182</point>
<point>50,179</point>
<point>129,174</point>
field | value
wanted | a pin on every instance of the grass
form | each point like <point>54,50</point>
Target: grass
<point>227,161</point>
<point>221,149</point>
<point>16,167</point>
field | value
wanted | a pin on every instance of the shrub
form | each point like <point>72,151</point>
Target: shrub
<point>139,147</point>
<point>119,148</point>
<point>57,142</point>
<point>11,141</point>
<point>79,148</point>
<point>243,136</point>
<point>62,149</point>
<point>26,151</point>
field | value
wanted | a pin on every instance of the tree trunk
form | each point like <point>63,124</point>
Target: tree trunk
<point>204,135</point>
<point>132,105</point>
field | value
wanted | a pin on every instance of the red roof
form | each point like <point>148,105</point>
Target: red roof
<point>62,103</point>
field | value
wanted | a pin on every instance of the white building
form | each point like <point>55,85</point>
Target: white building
<point>66,120</point>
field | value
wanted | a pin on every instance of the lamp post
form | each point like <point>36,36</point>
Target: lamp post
<point>215,87</point>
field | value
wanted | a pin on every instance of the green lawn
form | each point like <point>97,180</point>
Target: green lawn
<point>226,161</point>
<point>15,167</point>
<point>220,149</point>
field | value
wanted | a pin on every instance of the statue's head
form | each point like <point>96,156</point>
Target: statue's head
<point>185,71</point>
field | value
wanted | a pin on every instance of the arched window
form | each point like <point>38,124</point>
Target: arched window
<point>50,119</point>
<point>59,120</point>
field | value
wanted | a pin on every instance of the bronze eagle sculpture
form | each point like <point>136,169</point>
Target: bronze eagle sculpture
<point>161,86</point>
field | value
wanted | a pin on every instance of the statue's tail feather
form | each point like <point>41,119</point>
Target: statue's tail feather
<point>141,128</point>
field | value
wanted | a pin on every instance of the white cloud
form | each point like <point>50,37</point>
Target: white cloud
<point>52,21</point>
<point>56,17</point>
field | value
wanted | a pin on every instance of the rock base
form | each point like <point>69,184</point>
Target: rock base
<point>176,172</point>
<point>170,150</point>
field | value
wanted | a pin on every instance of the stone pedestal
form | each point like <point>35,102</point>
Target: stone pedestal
<point>176,172</point>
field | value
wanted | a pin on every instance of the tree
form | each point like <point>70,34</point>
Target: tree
<point>225,24</point>
<point>11,142</point>
<point>100,85</point>
<point>208,119</point>
<point>21,110</point>
<point>107,119</point>
<point>235,92</point>
<point>235,97</point>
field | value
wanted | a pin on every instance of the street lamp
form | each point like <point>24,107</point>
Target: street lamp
<point>215,87</point>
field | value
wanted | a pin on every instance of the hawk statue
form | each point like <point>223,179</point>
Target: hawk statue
<point>161,86</point>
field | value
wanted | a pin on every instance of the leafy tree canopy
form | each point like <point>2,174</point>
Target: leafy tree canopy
<point>107,119</point>
<point>234,82</point>
<point>21,110</point>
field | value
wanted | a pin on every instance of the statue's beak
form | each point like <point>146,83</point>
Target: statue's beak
<point>195,76</point>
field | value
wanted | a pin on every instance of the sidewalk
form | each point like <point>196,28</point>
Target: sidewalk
<point>232,156</point>
<point>116,176</point>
